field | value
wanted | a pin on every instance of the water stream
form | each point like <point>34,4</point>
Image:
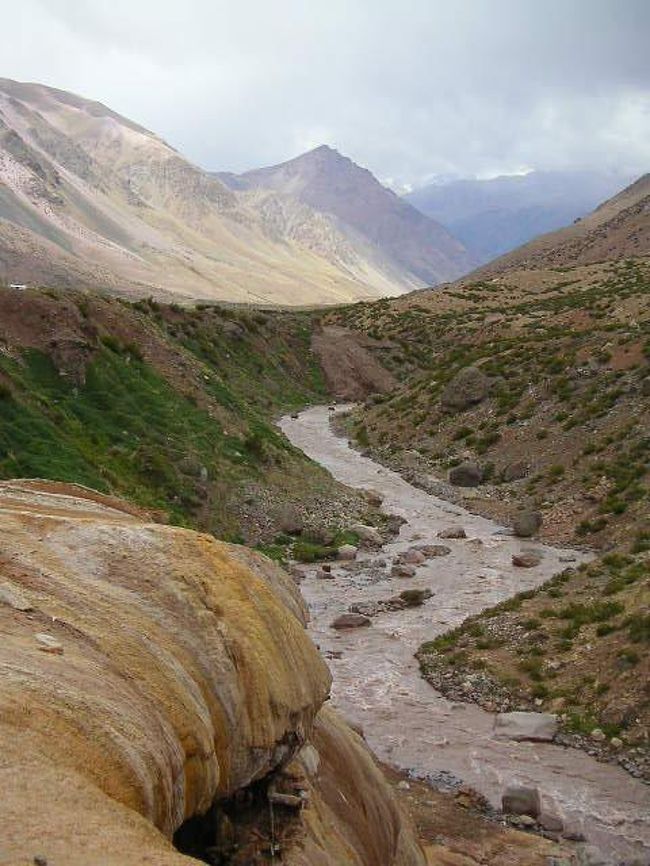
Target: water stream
<point>376,679</point>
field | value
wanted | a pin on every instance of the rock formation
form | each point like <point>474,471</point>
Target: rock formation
<point>176,673</point>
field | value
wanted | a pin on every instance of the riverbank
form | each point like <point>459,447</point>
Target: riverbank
<point>376,678</point>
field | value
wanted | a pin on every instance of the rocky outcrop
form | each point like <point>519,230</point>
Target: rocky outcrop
<point>147,673</point>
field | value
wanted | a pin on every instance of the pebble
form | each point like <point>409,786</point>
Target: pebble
<point>49,644</point>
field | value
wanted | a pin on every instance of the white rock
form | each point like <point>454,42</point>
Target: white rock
<point>49,644</point>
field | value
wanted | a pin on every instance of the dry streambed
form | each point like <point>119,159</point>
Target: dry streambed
<point>376,678</point>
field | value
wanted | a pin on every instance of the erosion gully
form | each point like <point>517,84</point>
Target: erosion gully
<point>376,679</point>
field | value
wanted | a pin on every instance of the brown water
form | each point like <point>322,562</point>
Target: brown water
<point>376,679</point>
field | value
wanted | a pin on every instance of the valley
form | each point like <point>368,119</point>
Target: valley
<point>320,545</point>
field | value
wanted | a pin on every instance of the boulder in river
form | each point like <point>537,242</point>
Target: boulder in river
<point>402,569</point>
<point>520,726</point>
<point>518,800</point>
<point>526,560</point>
<point>415,597</point>
<point>350,620</point>
<point>452,532</point>
<point>412,556</point>
<point>430,551</point>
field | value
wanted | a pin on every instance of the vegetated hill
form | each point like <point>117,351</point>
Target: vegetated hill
<point>420,249</point>
<point>494,216</point>
<point>539,379</point>
<point>171,407</point>
<point>90,199</point>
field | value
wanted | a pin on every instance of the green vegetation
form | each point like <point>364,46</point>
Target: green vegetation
<point>171,408</point>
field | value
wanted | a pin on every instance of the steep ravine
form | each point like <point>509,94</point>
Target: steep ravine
<point>376,678</point>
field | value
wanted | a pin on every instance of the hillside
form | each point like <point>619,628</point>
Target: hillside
<point>491,217</point>
<point>525,390</point>
<point>89,199</point>
<point>170,407</point>
<point>330,183</point>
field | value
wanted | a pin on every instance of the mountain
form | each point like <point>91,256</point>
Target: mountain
<point>420,249</point>
<point>619,228</point>
<point>494,216</point>
<point>89,198</point>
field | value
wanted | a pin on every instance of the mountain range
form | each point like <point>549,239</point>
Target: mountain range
<point>89,198</point>
<point>491,217</point>
<point>331,183</point>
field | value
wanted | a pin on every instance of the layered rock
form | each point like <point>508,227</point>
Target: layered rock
<point>176,672</point>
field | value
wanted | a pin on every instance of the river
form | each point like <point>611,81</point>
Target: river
<point>376,679</point>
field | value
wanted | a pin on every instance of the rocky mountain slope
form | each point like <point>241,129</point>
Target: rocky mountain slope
<point>418,248</point>
<point>524,394</point>
<point>91,199</point>
<point>491,217</point>
<point>165,692</point>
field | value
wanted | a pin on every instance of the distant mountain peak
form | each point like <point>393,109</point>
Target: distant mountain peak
<point>332,183</point>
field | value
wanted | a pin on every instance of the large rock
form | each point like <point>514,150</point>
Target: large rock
<point>368,535</point>
<point>467,474</point>
<point>519,725</point>
<point>526,560</point>
<point>288,518</point>
<point>412,556</point>
<point>452,532</point>
<point>468,388</point>
<point>527,523</point>
<point>346,553</point>
<point>518,800</point>
<point>185,675</point>
<point>350,620</point>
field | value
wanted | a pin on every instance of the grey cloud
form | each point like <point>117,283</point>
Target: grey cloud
<point>411,89</point>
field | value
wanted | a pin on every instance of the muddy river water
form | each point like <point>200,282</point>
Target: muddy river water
<point>376,680</point>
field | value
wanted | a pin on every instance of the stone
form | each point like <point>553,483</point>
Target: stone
<point>550,822</point>
<point>415,597</point>
<point>520,726</point>
<point>15,598</point>
<point>430,551</point>
<point>373,498</point>
<point>526,560</point>
<point>527,523</point>
<point>412,557</point>
<point>453,532</point>
<point>467,388</point>
<point>346,552</point>
<point>519,800</point>
<point>49,644</point>
<point>350,620</point>
<point>598,735</point>
<point>616,743</point>
<point>466,474</point>
<point>395,523</point>
<point>288,518</point>
<point>368,535</point>
<point>402,570</point>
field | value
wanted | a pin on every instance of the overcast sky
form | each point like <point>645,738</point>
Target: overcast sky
<point>408,88</point>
